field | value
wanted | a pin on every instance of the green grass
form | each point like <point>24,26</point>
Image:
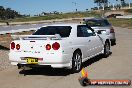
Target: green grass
<point>57,16</point>
<point>115,22</point>
<point>121,22</point>
<point>128,10</point>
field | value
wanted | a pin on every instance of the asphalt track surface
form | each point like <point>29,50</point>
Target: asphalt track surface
<point>117,66</point>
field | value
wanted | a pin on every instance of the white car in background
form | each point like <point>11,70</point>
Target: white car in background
<point>58,46</point>
<point>102,26</point>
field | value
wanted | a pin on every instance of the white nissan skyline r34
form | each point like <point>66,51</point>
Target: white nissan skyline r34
<point>58,46</point>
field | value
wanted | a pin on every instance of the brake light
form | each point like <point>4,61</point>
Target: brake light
<point>48,47</point>
<point>55,46</point>
<point>40,59</point>
<point>17,46</point>
<point>111,30</point>
<point>12,45</point>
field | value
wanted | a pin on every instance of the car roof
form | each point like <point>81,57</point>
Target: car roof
<point>96,19</point>
<point>64,24</point>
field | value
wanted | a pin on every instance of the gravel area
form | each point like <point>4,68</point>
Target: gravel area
<point>4,61</point>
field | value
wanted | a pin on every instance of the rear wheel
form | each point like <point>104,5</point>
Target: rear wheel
<point>106,49</point>
<point>76,62</point>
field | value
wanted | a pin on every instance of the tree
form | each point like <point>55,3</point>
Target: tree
<point>2,12</point>
<point>100,3</point>
<point>86,9</point>
<point>123,2</point>
<point>8,13</point>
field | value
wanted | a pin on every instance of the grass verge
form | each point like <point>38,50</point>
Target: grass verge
<point>55,16</point>
<point>125,23</point>
<point>6,39</point>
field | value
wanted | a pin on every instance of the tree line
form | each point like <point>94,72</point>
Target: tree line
<point>8,13</point>
<point>101,3</point>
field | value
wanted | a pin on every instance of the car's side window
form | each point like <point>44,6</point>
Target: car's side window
<point>90,32</point>
<point>80,32</point>
<point>84,31</point>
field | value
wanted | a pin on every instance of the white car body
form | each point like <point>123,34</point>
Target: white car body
<point>35,48</point>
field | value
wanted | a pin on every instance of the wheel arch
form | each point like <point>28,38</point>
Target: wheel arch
<point>78,50</point>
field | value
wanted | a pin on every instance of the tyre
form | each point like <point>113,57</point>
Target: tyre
<point>76,62</point>
<point>106,49</point>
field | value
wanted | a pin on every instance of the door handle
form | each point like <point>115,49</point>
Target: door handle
<point>89,40</point>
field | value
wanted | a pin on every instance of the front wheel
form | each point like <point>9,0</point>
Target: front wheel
<point>106,49</point>
<point>76,62</point>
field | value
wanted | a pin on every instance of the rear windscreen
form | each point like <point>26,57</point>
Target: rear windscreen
<point>98,23</point>
<point>64,31</point>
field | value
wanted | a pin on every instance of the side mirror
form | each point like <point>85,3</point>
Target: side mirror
<point>96,33</point>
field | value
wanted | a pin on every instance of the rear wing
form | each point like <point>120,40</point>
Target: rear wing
<point>36,37</point>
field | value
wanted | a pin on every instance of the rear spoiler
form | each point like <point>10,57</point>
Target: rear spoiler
<point>36,37</point>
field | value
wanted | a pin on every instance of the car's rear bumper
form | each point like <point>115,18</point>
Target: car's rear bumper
<point>112,38</point>
<point>55,65</point>
<point>113,41</point>
<point>53,60</point>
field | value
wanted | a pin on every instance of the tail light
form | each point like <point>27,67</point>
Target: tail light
<point>12,45</point>
<point>112,30</point>
<point>48,47</point>
<point>17,46</point>
<point>55,46</point>
<point>40,59</point>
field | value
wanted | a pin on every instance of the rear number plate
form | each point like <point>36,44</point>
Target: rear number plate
<point>31,60</point>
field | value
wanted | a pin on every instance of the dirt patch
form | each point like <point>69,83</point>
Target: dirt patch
<point>6,39</point>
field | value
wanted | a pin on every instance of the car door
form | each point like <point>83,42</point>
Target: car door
<point>82,34</point>
<point>95,41</point>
